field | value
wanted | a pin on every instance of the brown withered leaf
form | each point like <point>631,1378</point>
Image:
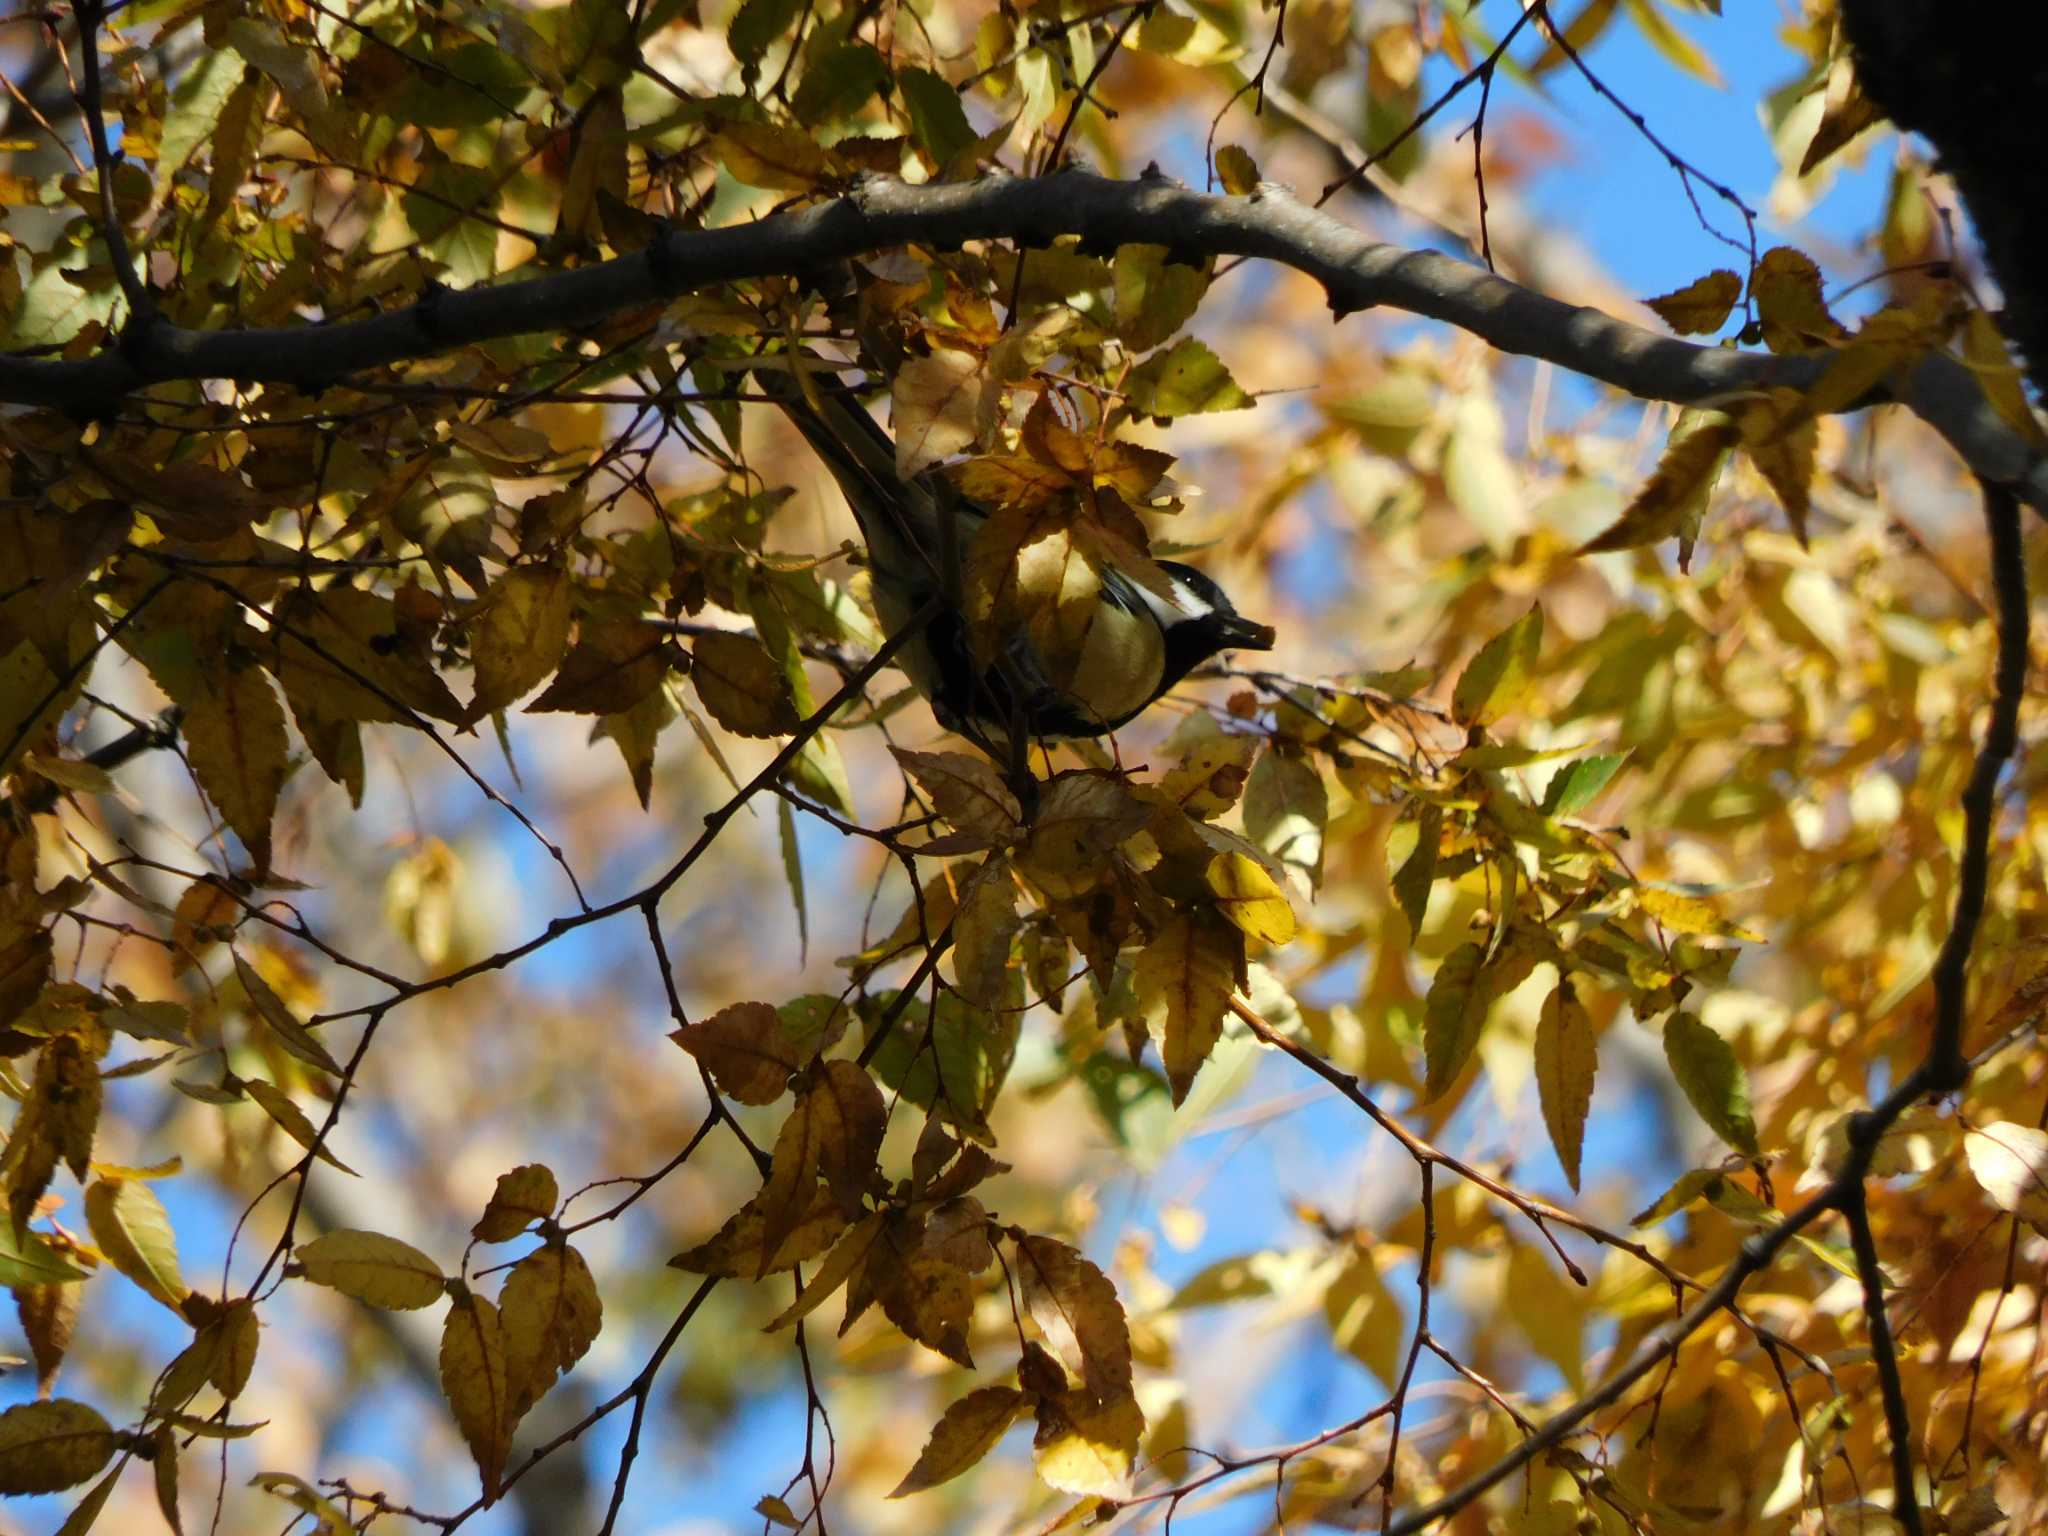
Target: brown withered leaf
<point>56,1123</point>
<point>614,664</point>
<point>1082,818</point>
<point>551,1313</point>
<point>744,1047</point>
<point>1076,1308</point>
<point>967,791</point>
<point>983,929</point>
<point>1781,438</point>
<point>357,652</point>
<point>50,1446</point>
<point>1183,979</point>
<point>235,740</point>
<point>1566,1059</point>
<point>929,1299</point>
<point>48,1314</point>
<point>473,1380</point>
<point>967,1431</point>
<point>743,686</point>
<point>519,635</point>
<point>522,1197</point>
<point>958,1232</point>
<point>938,406</point>
<point>736,1250</point>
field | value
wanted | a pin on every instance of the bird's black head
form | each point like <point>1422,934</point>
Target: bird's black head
<point>1214,625</point>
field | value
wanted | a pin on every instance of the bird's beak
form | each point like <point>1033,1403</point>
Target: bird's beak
<point>1240,633</point>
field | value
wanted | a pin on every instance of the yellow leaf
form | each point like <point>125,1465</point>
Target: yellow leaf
<point>551,1314</point>
<point>291,1119</point>
<point>1497,677</point>
<point>745,1049</point>
<point>967,1431</point>
<point>1365,1318</point>
<point>925,1295</point>
<point>984,927</point>
<point>1689,914</point>
<point>1674,499</point>
<point>770,155</point>
<point>56,1123</point>
<point>1453,1015</point>
<point>1701,306</point>
<point>1251,898</point>
<point>1781,436</point>
<point>2010,1162</point>
<point>524,1196</point>
<point>372,1268</point>
<point>1086,1445</point>
<point>1786,291</point>
<point>1988,357</point>
<point>1210,775</point>
<point>519,636</point>
<point>743,686</point>
<point>473,1381</point>
<point>1082,819</point>
<point>237,1332</point>
<point>1237,170</point>
<point>839,1266</point>
<point>291,1034</point>
<point>939,406</point>
<point>1183,980</point>
<point>1566,1059</point>
<point>133,1232</point>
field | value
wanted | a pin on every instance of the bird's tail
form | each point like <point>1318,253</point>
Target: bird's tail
<point>897,517</point>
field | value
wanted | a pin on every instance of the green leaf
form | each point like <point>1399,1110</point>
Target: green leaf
<point>1453,1015</point>
<point>1577,785</point>
<point>1185,380</point>
<point>1494,681</point>
<point>840,83</point>
<point>1565,1063</point>
<point>26,1259</point>
<point>1412,881</point>
<point>754,29</point>
<point>1705,1066</point>
<point>937,120</point>
<point>950,1059</point>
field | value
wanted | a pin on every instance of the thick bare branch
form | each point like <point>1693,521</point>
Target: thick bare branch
<point>1272,224</point>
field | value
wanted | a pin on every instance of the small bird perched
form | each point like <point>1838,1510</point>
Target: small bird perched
<point>1140,642</point>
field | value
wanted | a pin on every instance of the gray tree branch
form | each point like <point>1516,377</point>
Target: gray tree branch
<point>1271,224</point>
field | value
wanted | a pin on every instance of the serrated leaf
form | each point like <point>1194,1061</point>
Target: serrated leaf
<point>747,1051</point>
<point>132,1229</point>
<point>1453,1015</point>
<point>772,156</point>
<point>967,791</point>
<point>1086,1445</point>
<point>735,1250</point>
<point>522,1197</point>
<point>939,405</point>
<point>291,1119</point>
<point>1687,1188</point>
<point>1786,290</point>
<point>375,1269</point>
<point>1183,980</point>
<point>473,1381</point>
<point>1713,1080</point>
<point>937,121</point>
<point>1251,898</point>
<point>839,1266</point>
<point>1187,379</point>
<point>550,1312</point>
<point>951,1059</point>
<point>235,739</point>
<point>1578,784</point>
<point>291,1034</point>
<point>50,1446</point>
<point>1076,1307</point>
<point>967,1431</point>
<point>985,926</point>
<point>519,636</point>
<point>742,685</point>
<point>1701,306</point>
<point>1497,677</point>
<point>1674,499</point>
<point>1566,1059</point>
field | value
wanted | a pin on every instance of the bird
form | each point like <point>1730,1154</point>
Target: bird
<point>1141,642</point>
